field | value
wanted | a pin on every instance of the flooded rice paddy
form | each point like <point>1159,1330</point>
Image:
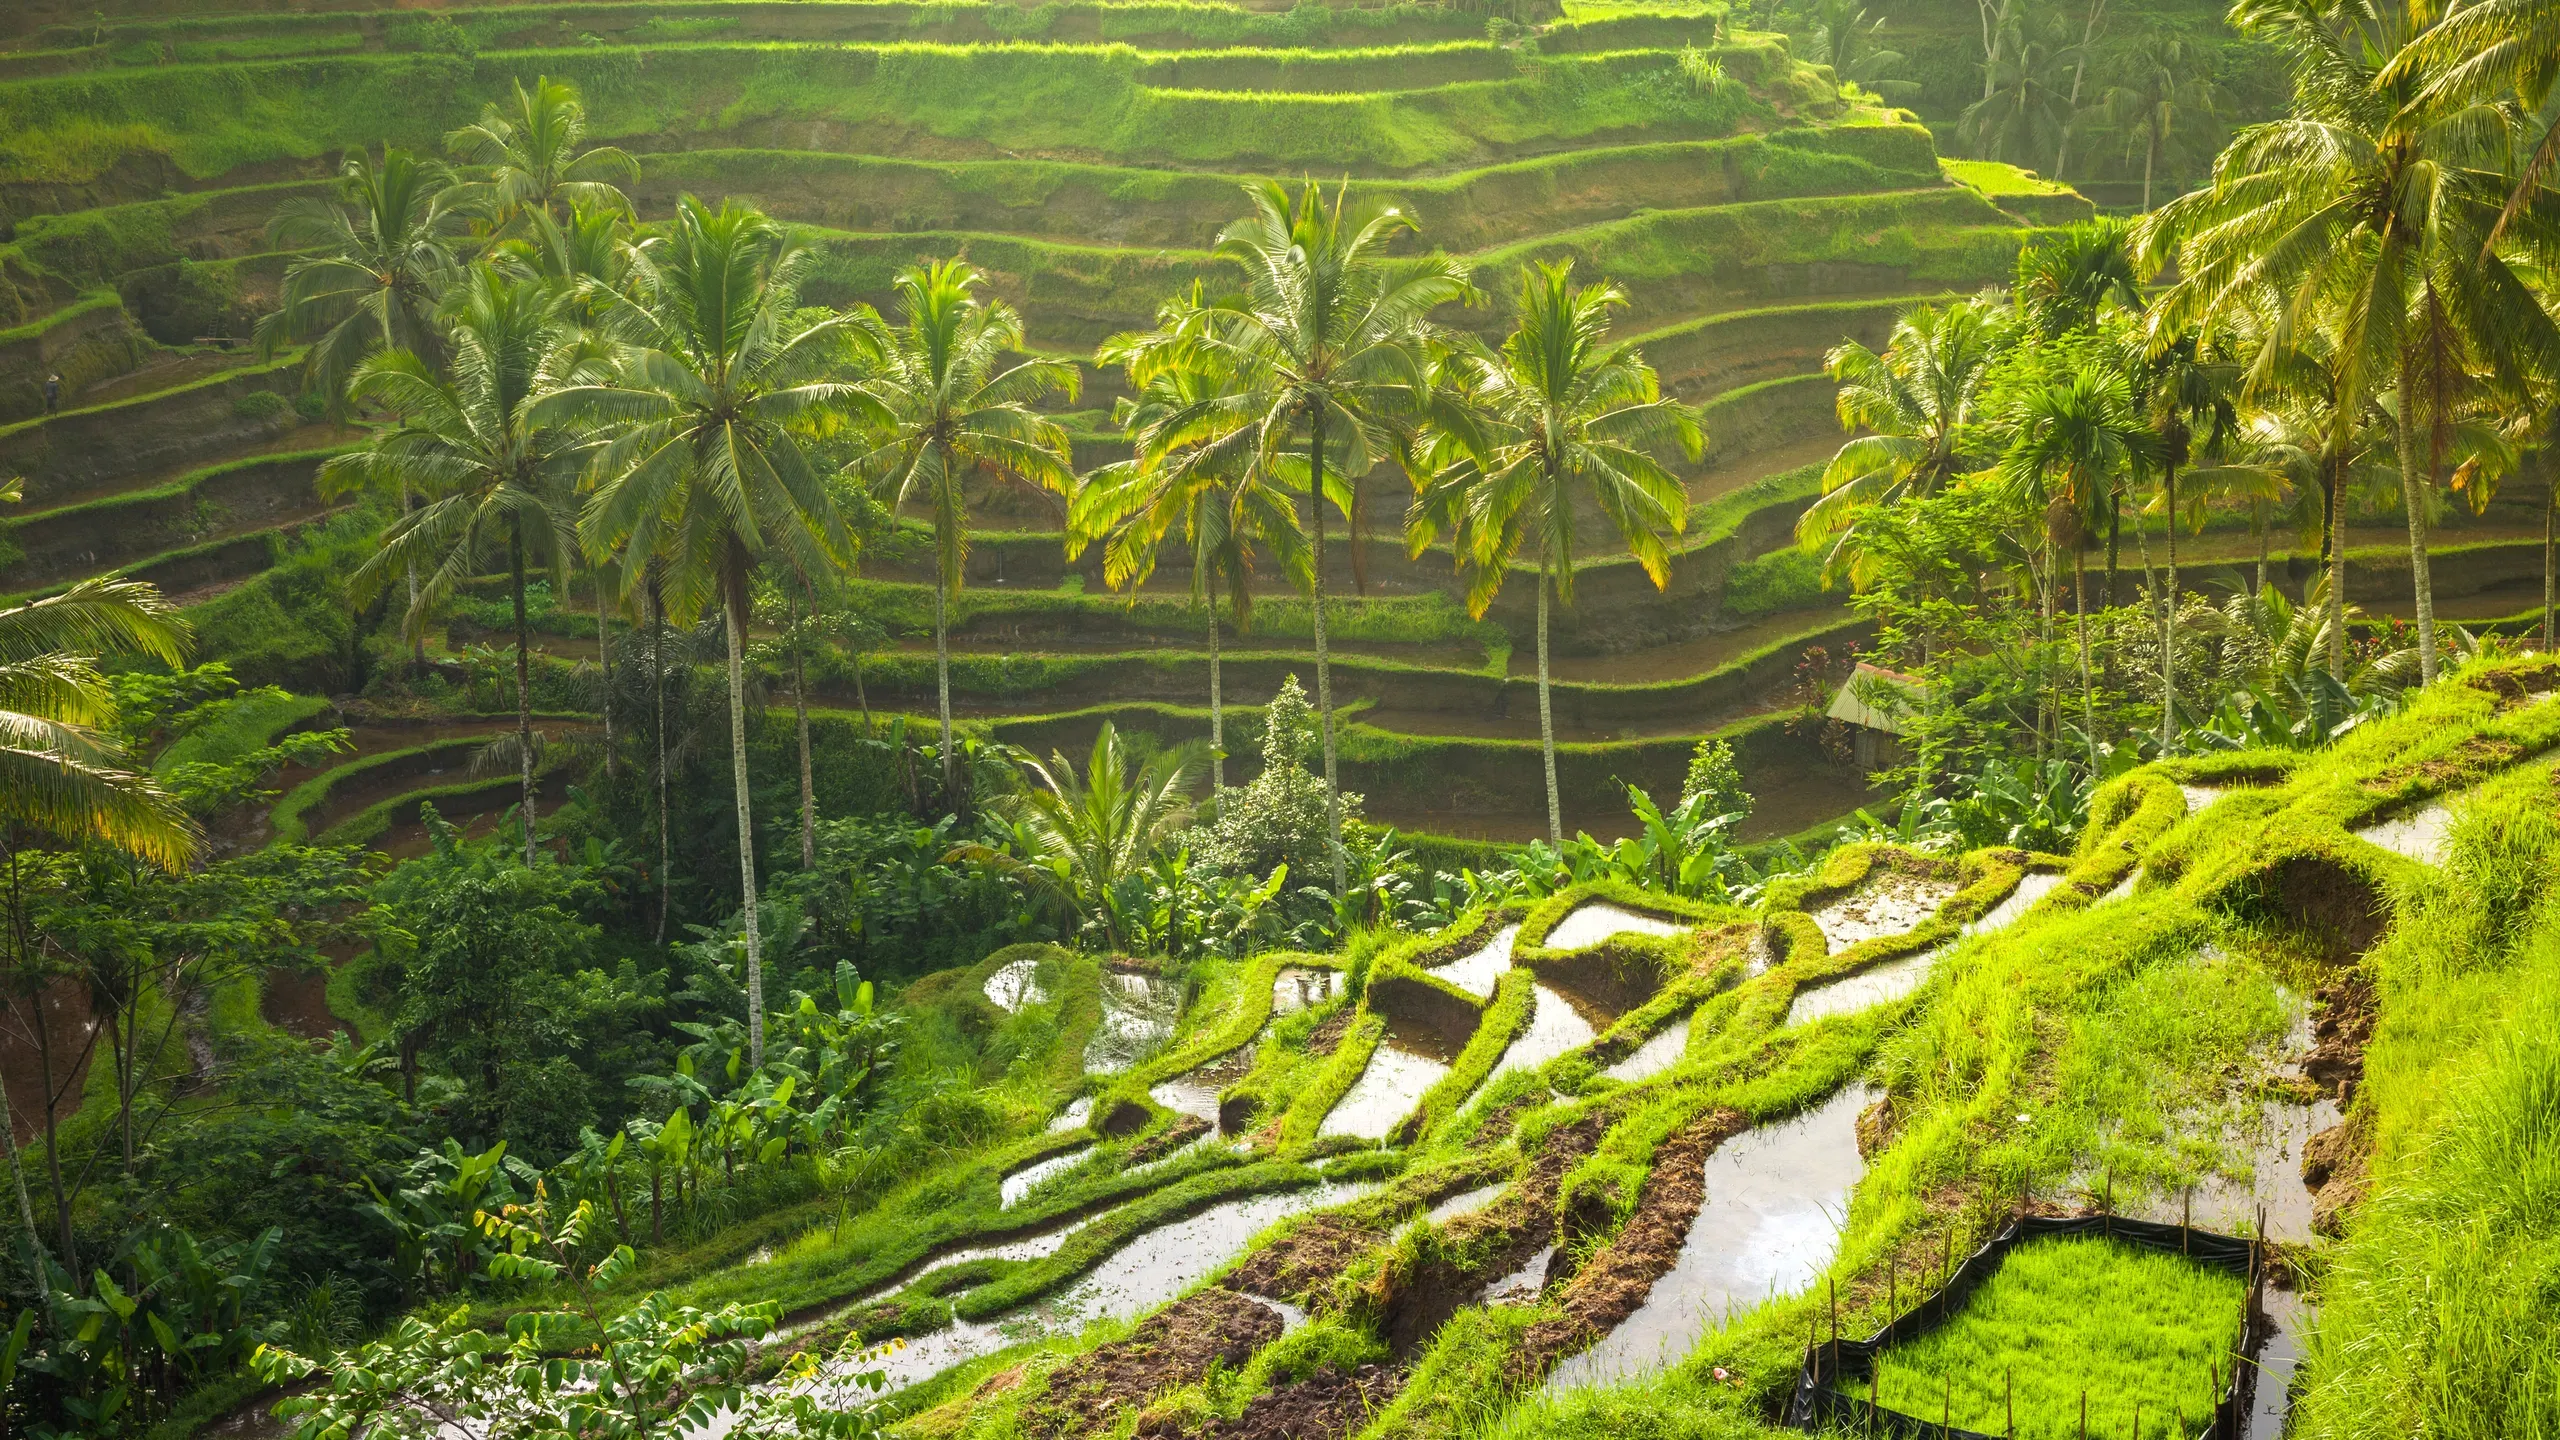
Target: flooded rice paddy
<point>1078,1111</point>
<point>1888,905</point>
<point>2030,889</point>
<point>1776,1199</point>
<point>1016,985</point>
<point>1872,986</point>
<point>1658,1053</point>
<point>1385,1093</point>
<point>1301,987</point>
<point>2271,1394</point>
<point>1590,924</point>
<point>1554,1027</point>
<point>1138,1016</point>
<point>1195,1092</point>
<point>1020,1182</point>
<point>1466,1203</point>
<point>1522,1285</point>
<point>2419,835</point>
<point>1480,970</point>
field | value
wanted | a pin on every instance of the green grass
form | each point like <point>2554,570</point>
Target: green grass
<point>243,726</point>
<point>1992,177</point>
<point>2132,1330</point>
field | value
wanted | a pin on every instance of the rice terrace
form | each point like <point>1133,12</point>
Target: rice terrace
<point>1230,720</point>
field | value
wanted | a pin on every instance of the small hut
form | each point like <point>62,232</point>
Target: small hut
<point>1877,705</point>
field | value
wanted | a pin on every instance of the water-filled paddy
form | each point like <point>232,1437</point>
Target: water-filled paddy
<point>1888,905</point>
<point>1658,1053</point>
<point>1385,1093</point>
<point>2419,835</point>
<point>1554,1027</point>
<point>1872,986</point>
<point>1480,970</point>
<point>1590,924</point>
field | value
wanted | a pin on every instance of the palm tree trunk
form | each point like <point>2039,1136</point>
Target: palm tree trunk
<point>2550,576</point>
<point>2071,112</point>
<point>2169,626</point>
<point>2258,522</point>
<point>1324,669</point>
<point>604,658</point>
<point>736,608</point>
<point>2150,158</point>
<point>1547,722</point>
<point>658,702</point>
<point>2088,685</point>
<point>417,635</point>
<point>800,712</point>
<point>524,684</point>
<point>2115,539</point>
<point>942,668</point>
<point>2413,498</point>
<point>2338,571</point>
<point>52,1133</point>
<point>1217,710</point>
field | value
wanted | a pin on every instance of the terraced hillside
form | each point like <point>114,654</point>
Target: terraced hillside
<point>1084,156</point>
<point>1573,1166</point>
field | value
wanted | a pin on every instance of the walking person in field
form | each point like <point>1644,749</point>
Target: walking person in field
<point>52,393</point>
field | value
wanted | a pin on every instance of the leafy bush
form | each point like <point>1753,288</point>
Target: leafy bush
<point>265,406</point>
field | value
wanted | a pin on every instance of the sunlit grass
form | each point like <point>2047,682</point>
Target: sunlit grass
<point>2128,1328</point>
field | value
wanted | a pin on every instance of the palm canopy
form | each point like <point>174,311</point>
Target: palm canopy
<point>467,440</point>
<point>529,151</point>
<point>698,462</point>
<point>1556,413</point>
<point>943,404</point>
<point>1107,823</point>
<point>1919,398</point>
<point>62,771</point>
<point>2071,441</point>
<point>380,263</point>
<point>2067,280</point>
<point>1187,478</point>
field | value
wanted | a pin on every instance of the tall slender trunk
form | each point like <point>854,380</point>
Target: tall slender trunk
<point>861,699</point>
<point>17,938</point>
<point>2071,113</point>
<point>1324,669</point>
<point>2088,684</point>
<point>736,606</point>
<point>2413,498</point>
<point>2258,523</point>
<point>2150,159</point>
<point>2169,626</point>
<point>2044,650</point>
<point>524,685</point>
<point>800,713</point>
<point>604,658</point>
<point>2115,535</point>
<point>2337,540</point>
<point>658,703</point>
<point>1547,721</point>
<point>943,540</point>
<point>417,631</point>
<point>1995,29</point>
<point>18,1173</point>
<point>1217,709</point>
<point>2550,575</point>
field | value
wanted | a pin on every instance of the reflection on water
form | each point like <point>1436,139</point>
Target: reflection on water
<point>1016,985</point>
<point>2271,1401</point>
<point>1299,987</point>
<point>1385,1093</point>
<point>2273,1136</point>
<point>1196,1092</point>
<point>2418,834</point>
<point>1658,1053</point>
<point>1522,1285</point>
<point>1887,906</point>
<point>2123,888</point>
<point>1874,986</point>
<point>2030,889</point>
<point>1554,1027</point>
<point>1479,972</point>
<point>1138,1016</point>
<point>1078,1110</point>
<point>1473,1200</point>
<point>1019,1183</point>
<point>1590,924</point>
<point>1776,1199</point>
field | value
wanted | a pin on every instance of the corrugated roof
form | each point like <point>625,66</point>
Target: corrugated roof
<point>1877,698</point>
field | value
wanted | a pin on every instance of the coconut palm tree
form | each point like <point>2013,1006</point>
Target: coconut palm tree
<point>1556,416</point>
<point>946,407</point>
<point>378,261</point>
<point>2482,52</point>
<point>2071,442</point>
<point>1100,827</point>
<point>2373,205</point>
<point>493,477</point>
<point>1325,350</point>
<point>1208,490</point>
<point>2160,83</point>
<point>698,474</point>
<point>2187,393</point>
<point>533,166</point>
<point>63,773</point>
<point>1918,398</point>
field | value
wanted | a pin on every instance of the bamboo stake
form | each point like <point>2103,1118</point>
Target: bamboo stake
<point>2084,1415</point>
<point>1947,1406</point>
<point>2009,1401</point>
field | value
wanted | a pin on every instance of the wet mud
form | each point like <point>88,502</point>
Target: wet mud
<point>1310,1255</point>
<point>2029,889</point>
<point>1890,904</point>
<point>1170,1349</point>
<point>1324,1406</point>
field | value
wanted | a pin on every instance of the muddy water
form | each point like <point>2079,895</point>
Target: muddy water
<point>1016,985</point>
<point>2271,1402</point>
<point>1776,1199</point>
<point>1151,1269</point>
<point>1554,1027</point>
<point>2031,888</point>
<point>1385,1093</point>
<point>1522,1285</point>
<point>1590,924</point>
<point>1467,1203</point>
<point>2418,834</point>
<point>1078,1111</point>
<point>1887,906</point>
<point>1196,1092</point>
<point>1303,988</point>
<point>1889,981</point>
<point>1479,972</point>
<point>1019,1183</point>
<point>1138,1016</point>
<point>1658,1053</point>
<point>2272,1138</point>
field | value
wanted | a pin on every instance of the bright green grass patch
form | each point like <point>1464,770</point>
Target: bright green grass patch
<point>2130,1329</point>
<point>1993,177</point>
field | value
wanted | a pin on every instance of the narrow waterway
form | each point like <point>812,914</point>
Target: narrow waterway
<point>1480,970</point>
<point>1872,986</point>
<point>1385,1093</point>
<point>1658,1053</point>
<point>1590,924</point>
<point>1554,1027</point>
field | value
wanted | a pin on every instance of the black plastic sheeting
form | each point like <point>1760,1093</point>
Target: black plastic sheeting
<point>1835,1368</point>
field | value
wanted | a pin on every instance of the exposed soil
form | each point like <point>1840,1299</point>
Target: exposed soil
<point>1124,1119</point>
<point>2335,907</point>
<point>1323,1406</point>
<point>1616,1281</point>
<point>1327,1037</point>
<point>1424,1018</point>
<point>297,1002</point>
<point>2474,756</point>
<point>68,1023</point>
<point>1171,1348</point>
<point>1308,1256</point>
<point>2334,1161</point>
<point>1493,1241</point>
<point>1603,982</point>
<point>1164,1142</point>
